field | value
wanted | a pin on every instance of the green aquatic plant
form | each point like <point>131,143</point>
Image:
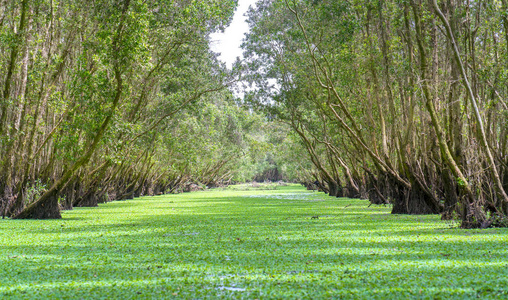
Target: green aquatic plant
<point>249,244</point>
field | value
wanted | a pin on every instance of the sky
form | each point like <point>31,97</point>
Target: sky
<point>228,43</point>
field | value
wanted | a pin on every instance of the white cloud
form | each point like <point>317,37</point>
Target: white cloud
<point>228,43</point>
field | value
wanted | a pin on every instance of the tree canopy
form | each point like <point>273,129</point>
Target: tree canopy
<point>400,102</point>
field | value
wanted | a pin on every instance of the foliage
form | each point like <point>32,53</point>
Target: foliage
<point>87,90</point>
<point>35,191</point>
<point>384,106</point>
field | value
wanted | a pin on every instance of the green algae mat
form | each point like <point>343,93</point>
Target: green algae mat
<point>241,243</point>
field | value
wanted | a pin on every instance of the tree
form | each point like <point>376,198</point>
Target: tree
<point>84,62</point>
<point>371,88</point>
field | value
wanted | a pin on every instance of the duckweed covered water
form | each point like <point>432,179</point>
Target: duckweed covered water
<point>248,244</point>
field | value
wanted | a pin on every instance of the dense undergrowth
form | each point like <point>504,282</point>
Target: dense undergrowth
<point>238,243</point>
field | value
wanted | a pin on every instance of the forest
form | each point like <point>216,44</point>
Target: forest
<point>110,100</point>
<point>358,149</point>
<point>401,102</point>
